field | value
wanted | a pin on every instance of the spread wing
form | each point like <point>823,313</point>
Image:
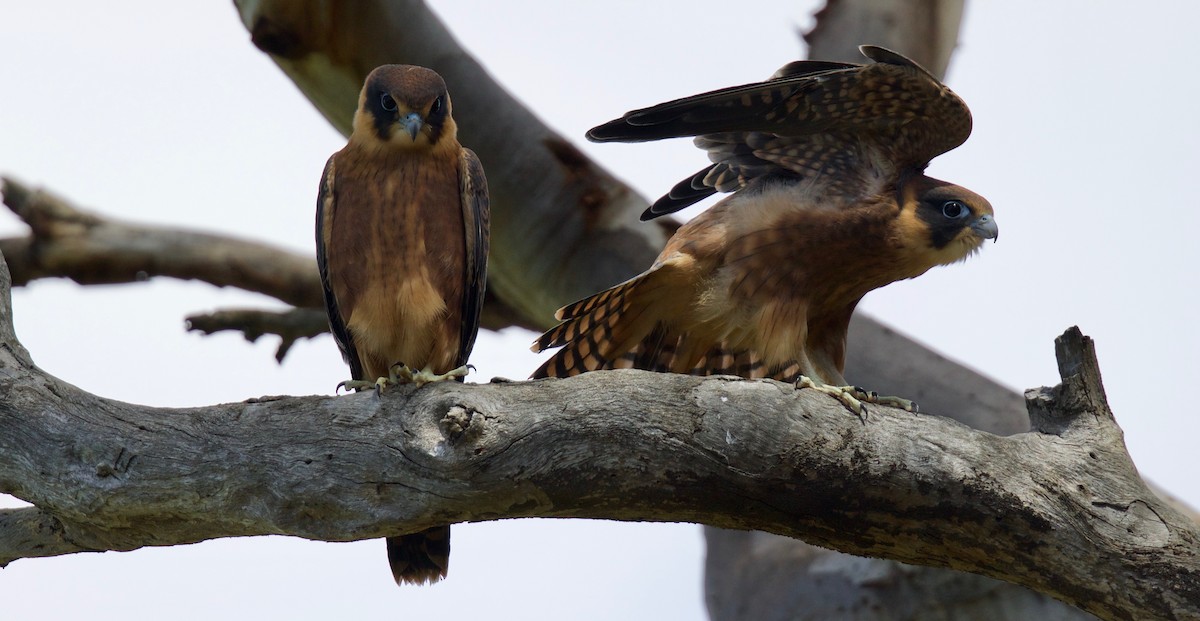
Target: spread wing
<point>841,126</point>
<point>326,203</point>
<point>476,221</point>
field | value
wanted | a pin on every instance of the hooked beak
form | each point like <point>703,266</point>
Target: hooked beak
<point>986,228</point>
<point>412,123</point>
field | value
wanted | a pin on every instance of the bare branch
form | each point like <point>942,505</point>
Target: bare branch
<point>30,532</point>
<point>290,325</point>
<point>1060,509</point>
<point>89,249</point>
<point>923,30</point>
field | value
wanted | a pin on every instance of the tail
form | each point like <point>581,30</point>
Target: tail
<point>597,332</point>
<point>420,558</point>
<point>720,359</point>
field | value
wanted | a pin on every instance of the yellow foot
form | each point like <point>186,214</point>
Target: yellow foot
<point>871,396</point>
<point>856,398</point>
<point>400,373</point>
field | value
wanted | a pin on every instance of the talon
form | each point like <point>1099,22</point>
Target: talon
<point>352,384</point>
<point>400,373</point>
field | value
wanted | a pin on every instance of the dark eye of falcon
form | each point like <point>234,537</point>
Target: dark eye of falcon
<point>436,107</point>
<point>387,103</point>
<point>954,209</point>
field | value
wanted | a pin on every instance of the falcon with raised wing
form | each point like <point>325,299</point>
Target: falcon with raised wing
<point>402,244</point>
<point>826,164</point>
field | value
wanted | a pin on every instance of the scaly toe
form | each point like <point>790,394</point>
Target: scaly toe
<point>870,396</point>
<point>847,395</point>
<point>426,376</point>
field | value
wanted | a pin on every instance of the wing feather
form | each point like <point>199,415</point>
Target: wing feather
<point>812,121</point>
<point>597,331</point>
<point>326,204</point>
<point>476,223</point>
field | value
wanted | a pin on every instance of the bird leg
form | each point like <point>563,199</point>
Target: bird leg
<point>855,397</point>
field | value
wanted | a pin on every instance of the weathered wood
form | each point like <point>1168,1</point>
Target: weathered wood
<point>290,325</point>
<point>923,30</point>
<point>1060,509</point>
<point>66,241</point>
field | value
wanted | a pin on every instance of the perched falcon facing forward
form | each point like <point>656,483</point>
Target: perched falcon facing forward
<point>826,161</point>
<point>402,243</point>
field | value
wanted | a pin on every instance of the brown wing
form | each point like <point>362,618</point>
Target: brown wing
<point>617,329</point>
<point>477,222</point>
<point>811,121</point>
<point>326,204</point>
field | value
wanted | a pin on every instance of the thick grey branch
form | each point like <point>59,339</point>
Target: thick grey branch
<point>1060,509</point>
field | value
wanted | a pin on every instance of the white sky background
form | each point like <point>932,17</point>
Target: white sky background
<point>1087,142</point>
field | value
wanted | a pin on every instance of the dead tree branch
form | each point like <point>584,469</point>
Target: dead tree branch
<point>290,325</point>
<point>1060,509</point>
<point>66,241</point>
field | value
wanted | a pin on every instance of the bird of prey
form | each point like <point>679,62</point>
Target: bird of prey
<point>402,243</point>
<point>826,164</point>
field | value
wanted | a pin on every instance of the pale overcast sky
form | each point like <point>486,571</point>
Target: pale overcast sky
<point>1086,138</point>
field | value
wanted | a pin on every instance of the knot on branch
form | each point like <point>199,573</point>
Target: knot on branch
<point>457,422</point>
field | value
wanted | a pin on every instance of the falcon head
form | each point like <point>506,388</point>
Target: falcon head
<point>944,223</point>
<point>404,106</point>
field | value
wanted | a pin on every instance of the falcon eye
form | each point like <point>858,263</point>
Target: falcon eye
<point>387,103</point>
<point>954,209</point>
<point>436,107</point>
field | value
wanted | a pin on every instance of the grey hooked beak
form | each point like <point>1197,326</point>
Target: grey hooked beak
<point>986,228</point>
<point>412,124</point>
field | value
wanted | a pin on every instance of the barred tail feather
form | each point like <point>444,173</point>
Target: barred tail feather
<point>597,331</point>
